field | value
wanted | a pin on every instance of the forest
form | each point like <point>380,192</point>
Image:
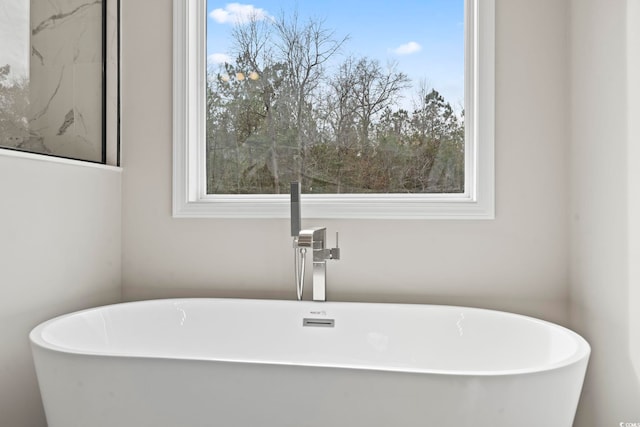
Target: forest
<point>293,107</point>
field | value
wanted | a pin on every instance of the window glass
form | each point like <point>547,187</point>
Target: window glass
<point>52,83</point>
<point>345,97</point>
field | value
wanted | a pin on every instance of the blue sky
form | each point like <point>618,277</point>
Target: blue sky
<point>424,37</point>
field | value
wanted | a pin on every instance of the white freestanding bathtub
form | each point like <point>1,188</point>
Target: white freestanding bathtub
<point>265,363</point>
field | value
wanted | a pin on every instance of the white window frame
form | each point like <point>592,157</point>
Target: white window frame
<point>190,199</point>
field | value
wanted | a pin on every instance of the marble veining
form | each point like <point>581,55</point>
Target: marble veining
<point>54,20</point>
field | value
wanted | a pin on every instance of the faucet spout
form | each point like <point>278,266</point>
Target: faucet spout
<point>312,238</point>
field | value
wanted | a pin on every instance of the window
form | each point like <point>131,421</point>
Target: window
<point>231,159</point>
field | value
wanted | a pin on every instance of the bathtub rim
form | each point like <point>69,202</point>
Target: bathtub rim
<point>581,354</point>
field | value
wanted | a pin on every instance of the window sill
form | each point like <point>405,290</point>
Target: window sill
<point>6,152</point>
<point>344,206</point>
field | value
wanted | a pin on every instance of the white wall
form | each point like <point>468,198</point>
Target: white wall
<point>60,240</point>
<point>605,210</point>
<point>518,262</point>
<point>633,165</point>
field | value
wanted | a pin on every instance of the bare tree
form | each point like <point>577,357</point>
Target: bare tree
<point>341,104</point>
<point>304,49</point>
<point>375,89</point>
<point>253,46</point>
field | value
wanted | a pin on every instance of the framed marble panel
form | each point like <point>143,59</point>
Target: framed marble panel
<point>58,78</point>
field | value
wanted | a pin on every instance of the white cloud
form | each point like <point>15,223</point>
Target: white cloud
<point>408,48</point>
<point>218,58</point>
<point>236,13</point>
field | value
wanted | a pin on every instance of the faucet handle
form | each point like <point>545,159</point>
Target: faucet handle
<point>334,253</point>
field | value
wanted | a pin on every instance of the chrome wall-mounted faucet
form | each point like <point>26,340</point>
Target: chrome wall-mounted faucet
<point>314,239</point>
